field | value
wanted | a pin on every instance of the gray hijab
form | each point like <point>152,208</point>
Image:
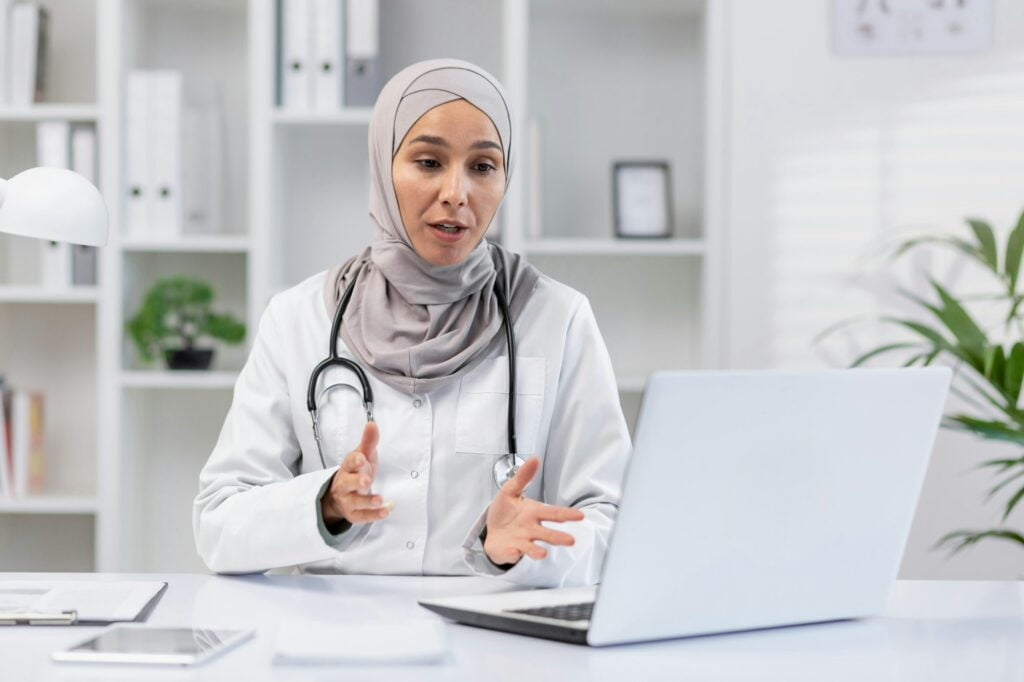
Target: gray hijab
<point>414,325</point>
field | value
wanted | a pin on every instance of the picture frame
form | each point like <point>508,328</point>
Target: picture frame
<point>642,199</point>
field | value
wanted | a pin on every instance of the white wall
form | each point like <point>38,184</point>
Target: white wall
<point>825,156</point>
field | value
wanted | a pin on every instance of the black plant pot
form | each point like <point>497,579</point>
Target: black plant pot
<point>189,358</point>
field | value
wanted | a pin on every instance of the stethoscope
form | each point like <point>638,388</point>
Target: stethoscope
<point>504,469</point>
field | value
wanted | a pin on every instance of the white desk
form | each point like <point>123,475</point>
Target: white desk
<point>931,631</point>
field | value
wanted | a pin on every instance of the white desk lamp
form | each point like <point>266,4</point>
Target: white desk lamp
<point>53,204</point>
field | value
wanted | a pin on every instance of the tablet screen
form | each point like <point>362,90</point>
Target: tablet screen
<point>147,644</point>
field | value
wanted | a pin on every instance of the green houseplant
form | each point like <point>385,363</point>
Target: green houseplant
<point>989,371</point>
<point>174,315</point>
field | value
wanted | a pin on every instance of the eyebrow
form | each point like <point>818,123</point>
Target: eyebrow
<point>441,142</point>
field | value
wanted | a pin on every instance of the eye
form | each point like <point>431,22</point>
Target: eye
<point>427,161</point>
<point>485,167</point>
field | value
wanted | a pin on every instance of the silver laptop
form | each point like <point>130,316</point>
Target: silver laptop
<point>752,500</point>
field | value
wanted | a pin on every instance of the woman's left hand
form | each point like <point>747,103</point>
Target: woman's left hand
<point>513,521</point>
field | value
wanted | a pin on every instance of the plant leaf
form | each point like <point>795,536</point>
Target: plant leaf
<point>1014,249</point>
<point>986,242</point>
<point>1003,464</point>
<point>995,367</point>
<point>1014,375</point>
<point>990,429</point>
<point>959,321</point>
<point>967,538</point>
<point>1017,497</point>
<point>1002,484</point>
<point>878,351</point>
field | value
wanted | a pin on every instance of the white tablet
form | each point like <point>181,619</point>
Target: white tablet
<point>140,643</point>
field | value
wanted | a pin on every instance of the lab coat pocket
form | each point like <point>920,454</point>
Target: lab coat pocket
<point>342,415</point>
<point>482,418</point>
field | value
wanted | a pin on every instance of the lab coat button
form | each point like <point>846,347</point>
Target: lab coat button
<point>417,402</point>
<point>414,474</point>
<point>409,545</point>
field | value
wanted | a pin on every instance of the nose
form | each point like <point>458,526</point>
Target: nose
<point>454,188</point>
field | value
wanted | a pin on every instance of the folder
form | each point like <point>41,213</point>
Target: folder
<point>327,56</point>
<point>77,602</point>
<point>362,60</point>
<point>166,108</point>
<point>53,150</point>
<point>203,167</point>
<point>5,49</point>
<point>27,31</point>
<point>83,161</point>
<point>137,165</point>
<point>296,55</point>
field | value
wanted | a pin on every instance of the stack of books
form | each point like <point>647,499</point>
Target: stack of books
<point>21,442</point>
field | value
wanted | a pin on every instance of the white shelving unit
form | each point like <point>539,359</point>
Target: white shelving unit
<point>297,183</point>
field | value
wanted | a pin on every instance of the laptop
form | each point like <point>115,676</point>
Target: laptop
<point>752,500</point>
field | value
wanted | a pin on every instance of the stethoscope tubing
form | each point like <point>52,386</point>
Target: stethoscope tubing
<point>333,359</point>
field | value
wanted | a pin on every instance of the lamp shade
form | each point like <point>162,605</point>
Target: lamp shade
<point>54,204</point>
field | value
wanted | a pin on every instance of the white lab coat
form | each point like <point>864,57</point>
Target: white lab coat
<point>258,502</point>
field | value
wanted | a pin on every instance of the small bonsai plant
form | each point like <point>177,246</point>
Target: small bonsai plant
<point>174,315</point>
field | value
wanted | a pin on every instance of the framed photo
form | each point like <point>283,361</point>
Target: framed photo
<point>642,200</point>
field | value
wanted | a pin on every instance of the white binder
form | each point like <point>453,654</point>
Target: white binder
<point>5,48</point>
<point>362,63</point>
<point>24,33</point>
<point>165,115</point>
<point>53,150</point>
<point>203,168</point>
<point>138,183</point>
<point>296,55</point>
<point>327,56</point>
<point>83,161</point>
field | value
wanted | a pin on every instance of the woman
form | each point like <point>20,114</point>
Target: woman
<point>415,491</point>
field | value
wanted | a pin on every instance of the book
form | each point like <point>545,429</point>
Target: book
<point>6,482</point>
<point>27,442</point>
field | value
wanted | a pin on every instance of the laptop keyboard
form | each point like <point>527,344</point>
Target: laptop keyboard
<point>579,611</point>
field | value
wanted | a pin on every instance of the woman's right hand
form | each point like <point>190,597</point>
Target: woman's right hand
<point>349,496</point>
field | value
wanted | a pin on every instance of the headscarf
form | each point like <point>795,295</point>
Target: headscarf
<point>414,325</point>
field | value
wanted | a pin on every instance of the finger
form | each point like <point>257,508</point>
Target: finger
<point>368,444</point>
<point>356,482</point>
<point>362,502</point>
<point>367,515</point>
<point>533,551</point>
<point>552,537</point>
<point>550,512</point>
<point>353,462</point>
<point>517,484</point>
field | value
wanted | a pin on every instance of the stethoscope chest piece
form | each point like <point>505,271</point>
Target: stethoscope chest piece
<point>506,467</point>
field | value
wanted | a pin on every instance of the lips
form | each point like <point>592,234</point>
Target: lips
<point>449,234</point>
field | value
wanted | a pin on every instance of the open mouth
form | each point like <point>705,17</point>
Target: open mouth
<point>448,229</point>
<point>449,233</point>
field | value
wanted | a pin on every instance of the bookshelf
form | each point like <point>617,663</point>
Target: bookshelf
<point>296,204</point>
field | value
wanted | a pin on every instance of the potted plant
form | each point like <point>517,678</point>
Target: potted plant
<point>174,315</point>
<point>987,359</point>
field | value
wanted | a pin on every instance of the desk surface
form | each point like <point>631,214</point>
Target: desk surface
<point>930,631</point>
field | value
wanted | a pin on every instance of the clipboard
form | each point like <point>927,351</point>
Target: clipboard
<point>77,602</point>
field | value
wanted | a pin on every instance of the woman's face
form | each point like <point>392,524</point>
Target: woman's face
<point>449,170</point>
